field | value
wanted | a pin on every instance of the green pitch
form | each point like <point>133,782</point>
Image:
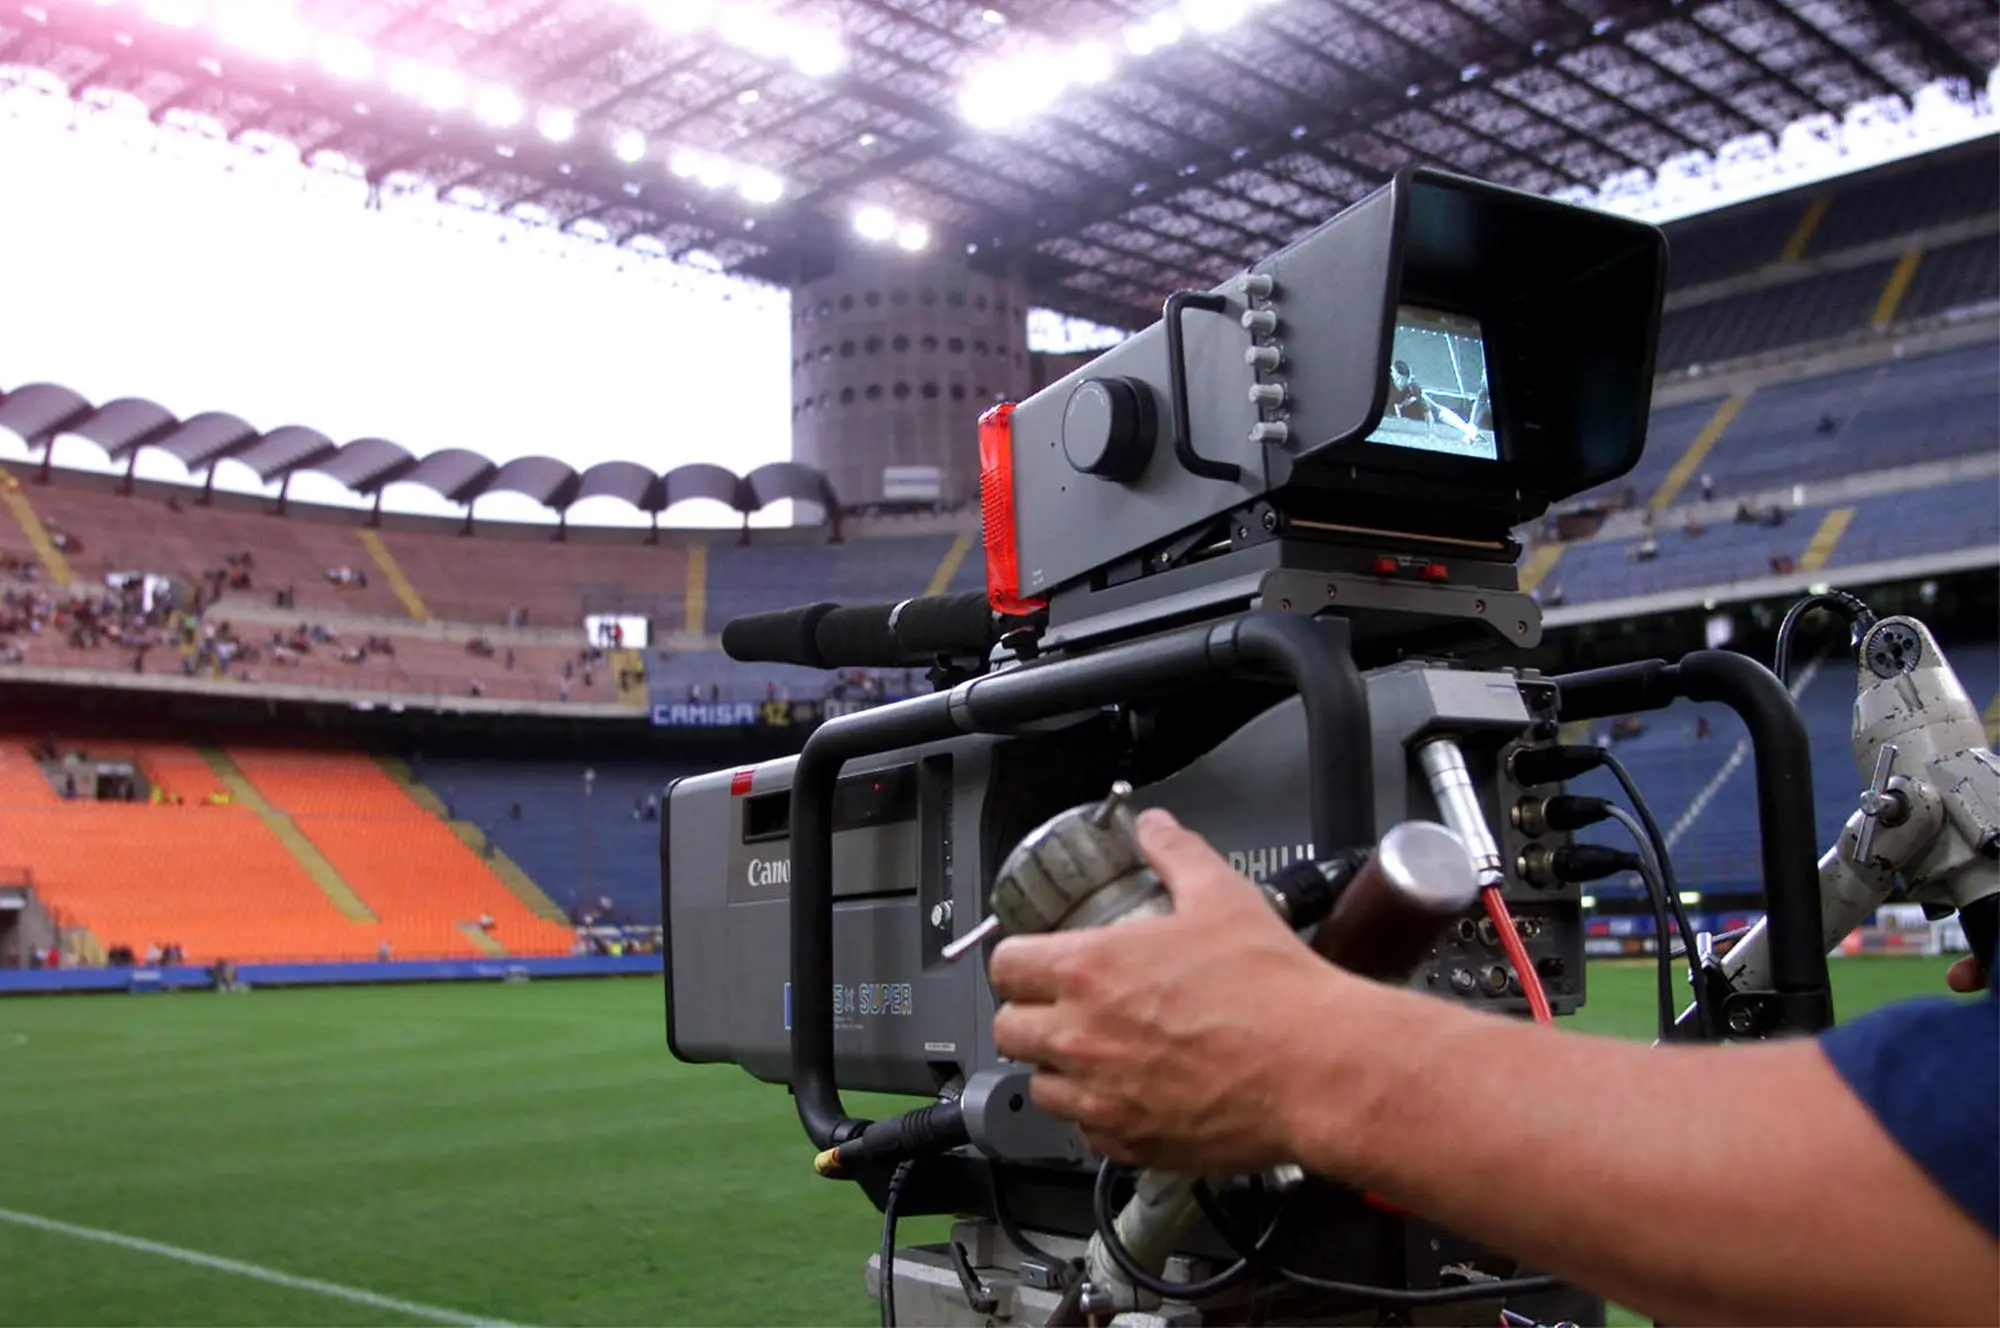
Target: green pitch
<point>528,1153</point>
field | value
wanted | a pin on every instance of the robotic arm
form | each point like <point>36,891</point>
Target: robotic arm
<point>1931,813</point>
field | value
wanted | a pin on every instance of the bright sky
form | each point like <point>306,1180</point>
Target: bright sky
<point>142,272</point>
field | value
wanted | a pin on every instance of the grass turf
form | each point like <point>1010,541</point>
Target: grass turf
<point>525,1152</point>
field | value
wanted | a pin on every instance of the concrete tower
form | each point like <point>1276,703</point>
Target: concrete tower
<point>894,356</point>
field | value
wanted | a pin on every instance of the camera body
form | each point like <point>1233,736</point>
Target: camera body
<point>1249,562</point>
<point>919,832</point>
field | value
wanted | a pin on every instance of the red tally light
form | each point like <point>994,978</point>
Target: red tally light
<point>739,783</point>
<point>1386,566</point>
<point>1436,572</point>
<point>996,508</point>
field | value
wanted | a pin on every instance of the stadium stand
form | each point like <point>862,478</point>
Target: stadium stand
<point>1769,317</point>
<point>492,579</point>
<point>425,885</point>
<point>618,875</point>
<point>1686,759</point>
<point>1896,414</point>
<point>1726,244</point>
<point>758,577</point>
<point>258,855</point>
<point>112,533</point>
<point>415,608</point>
<point>1956,516</point>
<point>1965,275</point>
<point>1955,186</point>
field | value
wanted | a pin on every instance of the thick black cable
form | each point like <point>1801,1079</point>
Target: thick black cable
<point>1003,1216</point>
<point>1107,1231</point>
<point>1859,619</point>
<point>897,1180</point>
<point>1668,895</point>
<point>1254,1255</point>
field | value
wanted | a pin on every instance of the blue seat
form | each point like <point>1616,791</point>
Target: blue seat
<point>578,847</point>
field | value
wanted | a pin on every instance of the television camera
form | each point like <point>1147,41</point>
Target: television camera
<point>1256,564</point>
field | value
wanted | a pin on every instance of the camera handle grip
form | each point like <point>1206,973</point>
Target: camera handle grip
<point>1177,384</point>
<point>1313,656</point>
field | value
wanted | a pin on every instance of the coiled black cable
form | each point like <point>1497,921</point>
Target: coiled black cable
<point>1859,619</point>
<point>1003,1216</point>
<point>1107,1231</point>
<point>1251,1256</point>
<point>1254,1255</point>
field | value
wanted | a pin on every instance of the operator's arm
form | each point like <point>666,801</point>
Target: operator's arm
<point>1696,1184</point>
<point>1700,1185</point>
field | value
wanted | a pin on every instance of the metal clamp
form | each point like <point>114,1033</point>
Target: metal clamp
<point>1881,805</point>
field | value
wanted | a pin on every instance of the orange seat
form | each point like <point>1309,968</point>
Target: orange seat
<point>220,883</point>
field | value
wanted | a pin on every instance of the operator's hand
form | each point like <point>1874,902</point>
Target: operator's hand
<point>1966,975</point>
<point>1157,1036</point>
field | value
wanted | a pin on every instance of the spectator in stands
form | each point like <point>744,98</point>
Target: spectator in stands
<point>1414,1099</point>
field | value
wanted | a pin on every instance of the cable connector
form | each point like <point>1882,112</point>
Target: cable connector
<point>1566,811</point>
<point>925,1132</point>
<point>1574,864</point>
<point>1552,765</point>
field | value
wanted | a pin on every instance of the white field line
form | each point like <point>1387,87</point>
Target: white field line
<point>255,1273</point>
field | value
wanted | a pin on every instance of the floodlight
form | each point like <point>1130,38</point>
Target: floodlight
<point>875,223</point>
<point>629,146</point>
<point>913,236</point>
<point>556,123</point>
<point>1214,15</point>
<point>818,54</point>
<point>175,13</point>
<point>499,107</point>
<point>761,187</point>
<point>1091,62</point>
<point>344,57</point>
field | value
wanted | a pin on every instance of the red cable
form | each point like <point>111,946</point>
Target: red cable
<point>1517,955</point>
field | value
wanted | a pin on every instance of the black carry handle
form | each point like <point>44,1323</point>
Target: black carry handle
<point>1177,382</point>
<point>1787,835</point>
<point>1313,656</point>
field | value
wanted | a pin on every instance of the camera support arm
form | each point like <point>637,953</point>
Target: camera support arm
<point>1801,999</point>
<point>1312,655</point>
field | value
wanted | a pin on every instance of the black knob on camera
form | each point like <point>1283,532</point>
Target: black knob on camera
<point>1109,427</point>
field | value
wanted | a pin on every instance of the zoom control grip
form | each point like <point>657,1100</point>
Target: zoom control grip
<point>1383,908</point>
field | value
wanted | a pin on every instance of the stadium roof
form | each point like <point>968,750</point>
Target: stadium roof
<point>1116,149</point>
<point>39,413</point>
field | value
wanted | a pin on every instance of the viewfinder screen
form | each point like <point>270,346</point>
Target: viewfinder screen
<point>1438,398</point>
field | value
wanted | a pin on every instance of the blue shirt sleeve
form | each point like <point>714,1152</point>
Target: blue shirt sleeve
<point>1930,1072</point>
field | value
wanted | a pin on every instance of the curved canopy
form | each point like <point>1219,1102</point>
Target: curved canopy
<point>40,412</point>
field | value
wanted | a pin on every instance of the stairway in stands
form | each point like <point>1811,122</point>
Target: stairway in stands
<point>423,881</point>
